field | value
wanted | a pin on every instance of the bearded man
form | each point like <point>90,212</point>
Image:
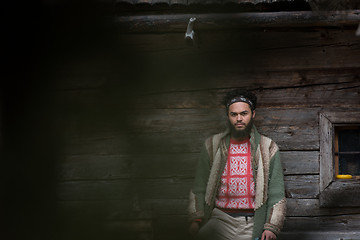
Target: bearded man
<point>238,192</point>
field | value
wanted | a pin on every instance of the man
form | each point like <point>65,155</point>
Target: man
<point>238,192</point>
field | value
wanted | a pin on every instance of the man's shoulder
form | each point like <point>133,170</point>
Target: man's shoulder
<point>269,143</point>
<point>215,138</point>
<point>266,138</point>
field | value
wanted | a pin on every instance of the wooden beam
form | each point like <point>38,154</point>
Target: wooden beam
<point>227,21</point>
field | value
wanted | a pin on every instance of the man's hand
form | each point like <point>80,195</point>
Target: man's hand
<point>194,228</point>
<point>268,235</point>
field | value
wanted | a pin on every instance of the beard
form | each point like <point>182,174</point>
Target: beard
<point>241,134</point>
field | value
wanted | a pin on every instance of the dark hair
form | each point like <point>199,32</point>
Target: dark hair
<point>240,93</point>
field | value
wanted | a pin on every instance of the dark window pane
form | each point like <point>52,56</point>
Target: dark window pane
<point>349,164</point>
<point>349,140</point>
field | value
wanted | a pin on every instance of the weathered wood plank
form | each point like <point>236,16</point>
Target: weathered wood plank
<point>175,23</point>
<point>319,53</point>
<point>119,209</point>
<point>319,235</point>
<point>295,207</point>
<point>95,190</point>
<point>337,117</point>
<point>190,120</point>
<point>332,95</point>
<point>133,221</point>
<point>82,167</point>
<point>179,142</point>
<point>145,208</point>
<point>282,79</point>
<point>341,194</point>
<point>244,51</point>
<point>302,186</point>
<point>326,152</point>
<point>311,208</point>
<point>341,223</point>
<point>334,226</point>
<point>149,143</point>
<point>99,144</point>
<point>166,188</point>
<point>106,88</point>
<point>182,165</point>
<point>300,162</point>
<point>108,167</point>
<point>250,39</point>
<point>129,230</point>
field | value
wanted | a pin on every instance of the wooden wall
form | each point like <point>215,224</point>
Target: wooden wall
<point>129,112</point>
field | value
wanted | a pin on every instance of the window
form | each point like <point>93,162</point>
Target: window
<point>339,155</point>
<point>347,152</point>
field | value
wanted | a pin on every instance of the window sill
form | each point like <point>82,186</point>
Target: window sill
<point>341,193</point>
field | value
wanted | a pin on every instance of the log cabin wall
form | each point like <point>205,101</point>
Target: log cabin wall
<point>130,110</point>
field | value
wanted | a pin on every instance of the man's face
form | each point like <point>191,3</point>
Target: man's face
<point>240,119</point>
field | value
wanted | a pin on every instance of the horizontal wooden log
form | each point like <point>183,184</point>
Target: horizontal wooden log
<point>319,235</point>
<point>243,55</point>
<point>108,167</point>
<point>129,230</point>
<point>241,52</point>
<point>295,207</point>
<point>315,225</point>
<point>178,22</point>
<point>190,120</point>
<point>141,208</point>
<point>167,188</point>
<point>311,208</point>
<point>95,190</point>
<point>180,165</point>
<point>176,142</point>
<point>341,223</point>
<point>170,131</point>
<point>122,214</point>
<point>97,145</point>
<point>341,194</point>
<point>103,88</point>
<point>300,162</point>
<point>335,117</point>
<point>302,186</point>
<point>332,95</point>
<point>102,209</point>
<point>85,167</point>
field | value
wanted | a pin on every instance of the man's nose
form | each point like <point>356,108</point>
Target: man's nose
<point>238,118</point>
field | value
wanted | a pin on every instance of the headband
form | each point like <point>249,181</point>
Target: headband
<point>240,99</point>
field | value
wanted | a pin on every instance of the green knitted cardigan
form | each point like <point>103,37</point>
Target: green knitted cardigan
<point>270,201</point>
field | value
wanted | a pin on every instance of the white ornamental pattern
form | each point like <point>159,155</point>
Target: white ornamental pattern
<point>239,148</point>
<point>237,188</point>
<point>238,166</point>
<point>237,203</point>
<point>252,188</point>
<point>223,187</point>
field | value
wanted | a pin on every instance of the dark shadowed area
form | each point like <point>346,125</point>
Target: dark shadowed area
<point>105,106</point>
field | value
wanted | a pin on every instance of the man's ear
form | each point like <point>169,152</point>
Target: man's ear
<point>253,114</point>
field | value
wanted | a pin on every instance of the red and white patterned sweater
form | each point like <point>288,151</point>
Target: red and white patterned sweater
<point>237,182</point>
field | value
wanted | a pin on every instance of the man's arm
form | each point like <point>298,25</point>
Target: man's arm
<point>276,197</point>
<point>197,193</point>
<point>268,235</point>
